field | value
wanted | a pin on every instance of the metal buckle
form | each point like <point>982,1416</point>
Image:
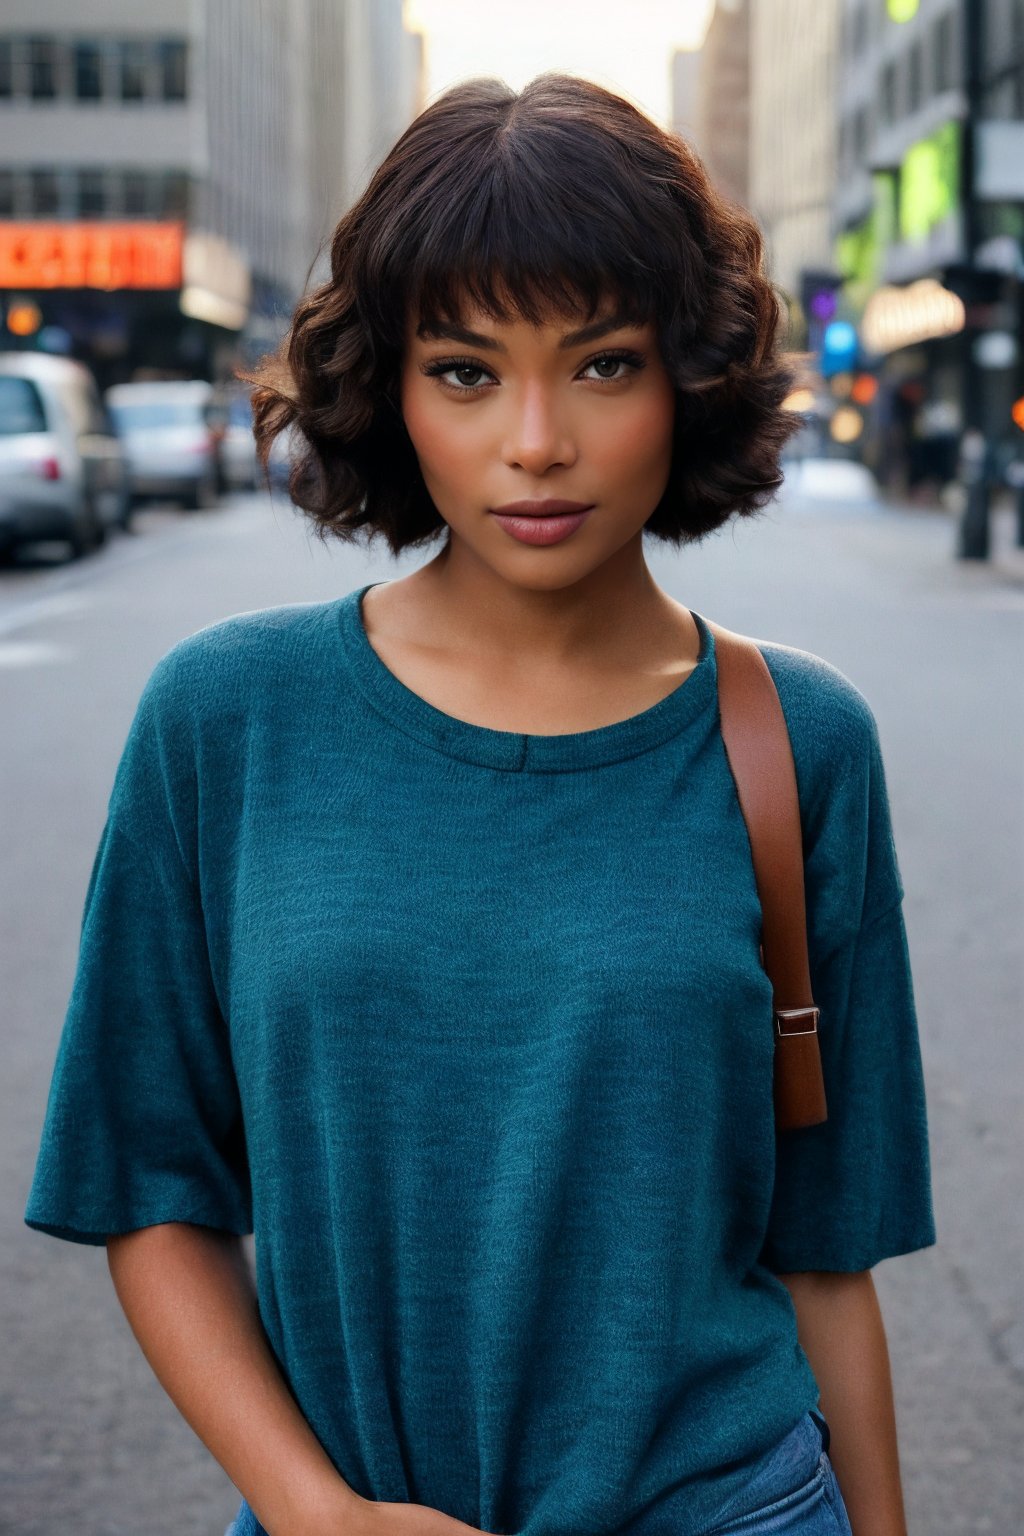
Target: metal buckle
<point>796,1013</point>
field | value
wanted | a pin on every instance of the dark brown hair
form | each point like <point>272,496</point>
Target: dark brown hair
<point>557,198</point>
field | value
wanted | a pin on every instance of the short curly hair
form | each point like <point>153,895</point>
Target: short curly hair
<point>561,197</point>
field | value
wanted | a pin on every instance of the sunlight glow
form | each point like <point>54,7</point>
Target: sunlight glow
<point>627,49</point>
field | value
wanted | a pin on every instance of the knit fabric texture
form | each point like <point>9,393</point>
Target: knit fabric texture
<point>470,1028</point>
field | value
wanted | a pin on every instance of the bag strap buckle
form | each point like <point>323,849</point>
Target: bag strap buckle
<point>786,1017</point>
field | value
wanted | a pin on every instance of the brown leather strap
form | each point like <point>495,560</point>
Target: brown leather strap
<point>760,757</point>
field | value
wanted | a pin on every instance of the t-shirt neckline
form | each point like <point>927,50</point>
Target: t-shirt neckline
<point>517,750</point>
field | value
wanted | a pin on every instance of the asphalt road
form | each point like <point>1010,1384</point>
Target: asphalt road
<point>89,1442</point>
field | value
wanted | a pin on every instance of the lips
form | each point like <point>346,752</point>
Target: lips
<point>550,508</point>
<point>542,527</point>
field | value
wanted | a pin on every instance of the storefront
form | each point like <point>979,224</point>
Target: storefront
<point>131,300</point>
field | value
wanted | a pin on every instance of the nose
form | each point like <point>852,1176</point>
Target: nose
<point>537,437</point>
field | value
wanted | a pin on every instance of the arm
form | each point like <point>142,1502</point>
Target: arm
<point>840,1328</point>
<point>188,1296</point>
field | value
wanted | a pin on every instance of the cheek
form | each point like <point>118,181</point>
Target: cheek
<point>638,437</point>
<point>440,440</point>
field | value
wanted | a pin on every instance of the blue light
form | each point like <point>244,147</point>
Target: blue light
<point>840,337</point>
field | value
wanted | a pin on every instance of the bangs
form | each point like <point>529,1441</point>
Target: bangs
<point>522,226</point>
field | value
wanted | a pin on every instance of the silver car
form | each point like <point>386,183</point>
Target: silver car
<point>171,438</point>
<point>238,448</point>
<point>62,469</point>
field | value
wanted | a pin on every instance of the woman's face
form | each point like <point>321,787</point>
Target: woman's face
<point>505,412</point>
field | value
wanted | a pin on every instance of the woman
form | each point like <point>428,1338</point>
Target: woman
<point>423,937</point>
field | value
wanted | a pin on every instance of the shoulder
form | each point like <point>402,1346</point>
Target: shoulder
<point>832,727</point>
<point>817,696</point>
<point>242,658</point>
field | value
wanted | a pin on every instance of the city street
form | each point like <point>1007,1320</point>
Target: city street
<point>90,1442</point>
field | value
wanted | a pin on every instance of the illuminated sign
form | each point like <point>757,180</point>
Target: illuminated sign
<point>902,10</point>
<point>929,182</point>
<point>107,255</point>
<point>898,317</point>
<point>217,286</point>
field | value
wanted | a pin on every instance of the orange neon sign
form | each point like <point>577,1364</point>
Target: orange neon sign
<point>100,254</point>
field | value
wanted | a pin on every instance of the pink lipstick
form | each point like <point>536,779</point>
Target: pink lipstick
<point>541,522</point>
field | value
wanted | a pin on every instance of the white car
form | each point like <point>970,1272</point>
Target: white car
<point>62,469</point>
<point>172,441</point>
<point>238,447</point>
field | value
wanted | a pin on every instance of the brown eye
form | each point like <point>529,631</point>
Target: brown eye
<point>443,368</point>
<point>629,362</point>
<point>461,372</point>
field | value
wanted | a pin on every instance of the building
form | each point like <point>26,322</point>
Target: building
<point>792,156</point>
<point>721,114</point>
<point>169,173</point>
<point>929,221</point>
<point>685,90</point>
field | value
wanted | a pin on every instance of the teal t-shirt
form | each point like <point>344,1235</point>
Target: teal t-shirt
<point>469,1027</point>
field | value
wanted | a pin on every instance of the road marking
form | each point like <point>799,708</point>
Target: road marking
<point>50,605</point>
<point>32,653</point>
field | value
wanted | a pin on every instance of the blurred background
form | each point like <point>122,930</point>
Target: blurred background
<point>169,179</point>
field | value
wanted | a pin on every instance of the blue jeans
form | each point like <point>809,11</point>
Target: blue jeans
<point>792,1489</point>
<point>792,1492</point>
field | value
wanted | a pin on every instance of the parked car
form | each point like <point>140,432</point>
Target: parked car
<point>63,473</point>
<point>284,449</point>
<point>238,446</point>
<point>171,437</point>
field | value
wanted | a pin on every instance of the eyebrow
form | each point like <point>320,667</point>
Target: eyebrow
<point>592,332</point>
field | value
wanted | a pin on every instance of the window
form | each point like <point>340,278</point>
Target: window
<point>92,68</point>
<point>174,201</point>
<point>172,70</point>
<point>141,415</point>
<point>42,68</point>
<point>860,133</point>
<point>92,192</point>
<point>21,409</point>
<point>44,193</point>
<point>135,192</point>
<point>860,30</point>
<point>88,72</point>
<point>915,76</point>
<point>888,101</point>
<point>943,52</point>
<point>999,102</point>
<point>132,69</point>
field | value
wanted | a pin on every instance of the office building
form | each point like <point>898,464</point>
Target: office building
<point>169,173</point>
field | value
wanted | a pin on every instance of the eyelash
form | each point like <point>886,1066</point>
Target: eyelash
<point>442,365</point>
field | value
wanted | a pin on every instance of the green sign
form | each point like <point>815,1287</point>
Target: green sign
<point>858,252</point>
<point>902,10</point>
<point>929,188</point>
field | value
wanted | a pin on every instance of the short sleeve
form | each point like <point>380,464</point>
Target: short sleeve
<point>857,1188</point>
<point>143,1123</point>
